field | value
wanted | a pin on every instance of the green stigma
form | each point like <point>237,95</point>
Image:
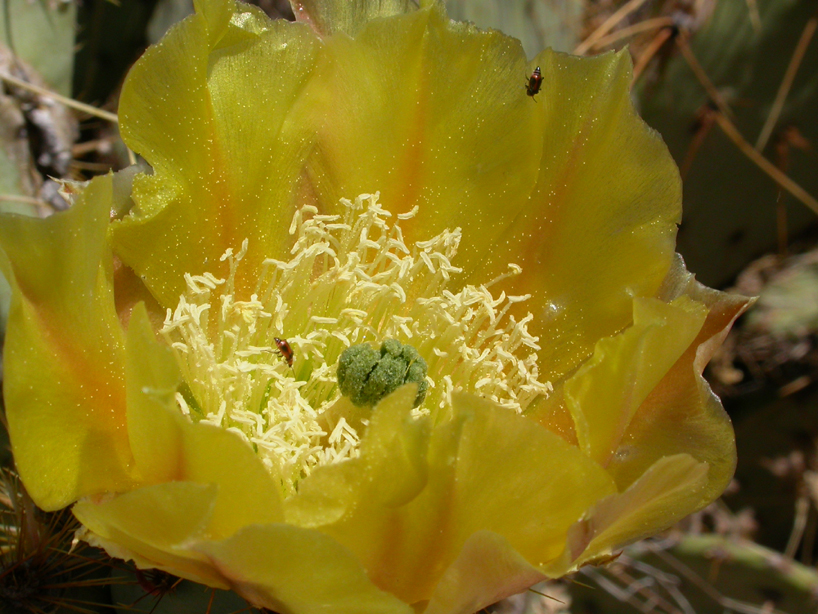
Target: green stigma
<point>366,375</point>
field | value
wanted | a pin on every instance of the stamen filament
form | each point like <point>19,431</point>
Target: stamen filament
<point>351,279</point>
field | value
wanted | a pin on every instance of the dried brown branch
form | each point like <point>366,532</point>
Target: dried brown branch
<point>701,75</point>
<point>765,165</point>
<point>608,25</point>
<point>651,50</point>
<point>69,102</point>
<point>786,82</point>
<point>642,26</point>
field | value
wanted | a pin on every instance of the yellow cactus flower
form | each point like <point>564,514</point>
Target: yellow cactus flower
<point>523,394</point>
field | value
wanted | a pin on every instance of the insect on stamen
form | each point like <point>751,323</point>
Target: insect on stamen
<point>284,350</point>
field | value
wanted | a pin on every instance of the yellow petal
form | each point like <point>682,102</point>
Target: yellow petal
<point>724,308</point>
<point>679,414</point>
<point>552,412</point>
<point>213,483</point>
<point>600,225</point>
<point>220,488</point>
<point>209,108</point>
<point>667,442</point>
<point>429,112</point>
<point>154,525</point>
<point>517,479</point>
<point>393,453</point>
<point>168,447</point>
<point>682,415</point>
<point>395,450</point>
<point>154,428</point>
<point>290,569</point>
<point>216,15</point>
<point>247,493</point>
<point>333,16</point>
<point>672,488</point>
<point>129,289</point>
<point>64,361</point>
<point>487,470</point>
<point>606,392</point>
<point>487,570</point>
<point>207,483</point>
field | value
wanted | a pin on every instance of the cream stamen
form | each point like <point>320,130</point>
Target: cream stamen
<point>351,279</point>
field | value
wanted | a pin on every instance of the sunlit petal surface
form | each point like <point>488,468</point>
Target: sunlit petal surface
<point>64,379</point>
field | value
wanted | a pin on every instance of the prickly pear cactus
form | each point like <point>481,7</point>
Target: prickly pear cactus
<point>730,204</point>
<point>538,24</point>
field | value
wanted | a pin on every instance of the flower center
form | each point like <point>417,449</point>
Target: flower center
<point>351,279</point>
